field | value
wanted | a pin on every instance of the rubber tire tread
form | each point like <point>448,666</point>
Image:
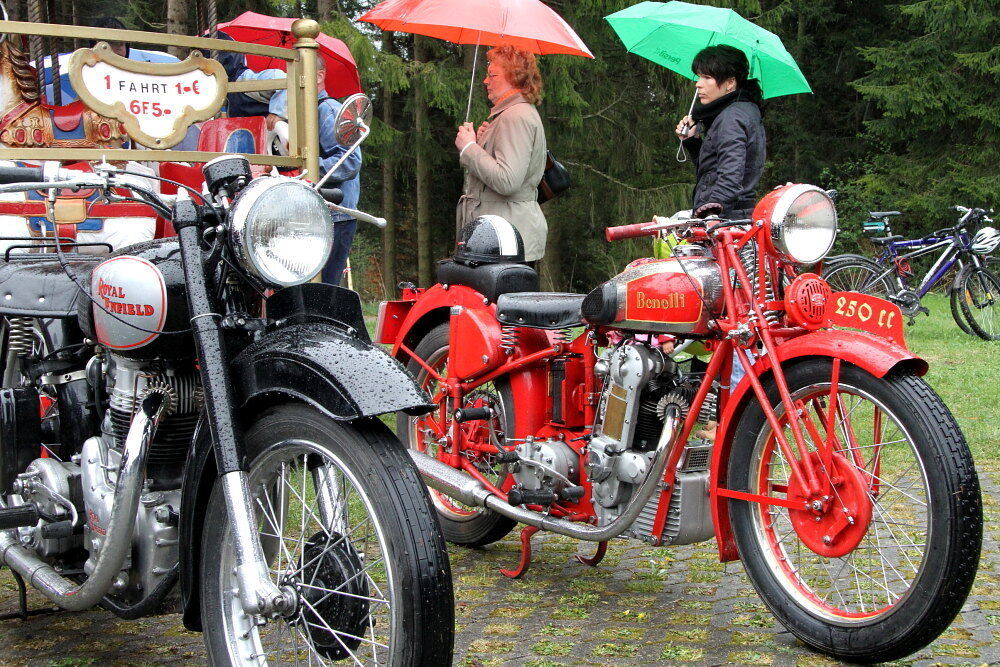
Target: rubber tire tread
<point>393,483</point>
<point>956,311</point>
<point>960,503</point>
<point>859,263</point>
<point>488,527</point>
<point>966,310</point>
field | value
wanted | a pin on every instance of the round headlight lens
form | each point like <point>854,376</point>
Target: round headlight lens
<point>282,230</point>
<point>804,225</point>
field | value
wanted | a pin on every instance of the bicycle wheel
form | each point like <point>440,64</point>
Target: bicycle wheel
<point>955,297</point>
<point>856,274</point>
<point>888,579</point>
<point>979,297</point>
<point>462,525</point>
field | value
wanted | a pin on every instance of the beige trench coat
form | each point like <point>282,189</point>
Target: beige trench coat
<point>503,172</point>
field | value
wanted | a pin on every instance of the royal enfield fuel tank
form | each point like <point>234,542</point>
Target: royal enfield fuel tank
<point>141,297</point>
<point>674,296</point>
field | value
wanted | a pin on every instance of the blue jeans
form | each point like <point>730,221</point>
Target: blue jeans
<point>343,237</point>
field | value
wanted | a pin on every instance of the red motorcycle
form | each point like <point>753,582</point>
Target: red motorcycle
<point>719,392</point>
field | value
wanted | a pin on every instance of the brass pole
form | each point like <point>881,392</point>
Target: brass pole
<point>305,32</point>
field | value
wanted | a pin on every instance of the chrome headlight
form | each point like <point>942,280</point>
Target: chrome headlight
<point>803,224</point>
<point>282,230</point>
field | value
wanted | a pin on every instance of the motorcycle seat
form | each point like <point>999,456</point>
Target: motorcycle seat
<point>490,280</point>
<point>886,240</point>
<point>36,285</point>
<point>882,215</point>
<point>540,310</point>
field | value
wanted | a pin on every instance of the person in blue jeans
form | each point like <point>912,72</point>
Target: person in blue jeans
<point>347,177</point>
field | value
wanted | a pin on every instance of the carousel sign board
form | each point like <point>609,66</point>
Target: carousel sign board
<point>156,102</point>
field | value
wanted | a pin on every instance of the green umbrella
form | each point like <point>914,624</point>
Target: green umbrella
<point>672,33</point>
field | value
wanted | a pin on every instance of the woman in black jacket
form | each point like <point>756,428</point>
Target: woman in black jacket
<point>725,134</point>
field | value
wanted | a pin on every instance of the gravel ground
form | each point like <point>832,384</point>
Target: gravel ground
<point>640,606</point>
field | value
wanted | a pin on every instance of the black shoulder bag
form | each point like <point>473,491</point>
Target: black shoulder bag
<point>555,179</point>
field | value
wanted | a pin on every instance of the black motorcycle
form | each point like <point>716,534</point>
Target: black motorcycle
<point>193,409</point>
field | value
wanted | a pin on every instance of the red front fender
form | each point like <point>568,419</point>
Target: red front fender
<point>876,355</point>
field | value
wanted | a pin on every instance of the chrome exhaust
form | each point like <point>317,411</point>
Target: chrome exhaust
<point>465,489</point>
<point>118,543</point>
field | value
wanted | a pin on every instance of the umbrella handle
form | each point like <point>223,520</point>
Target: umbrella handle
<point>681,153</point>
<point>472,81</point>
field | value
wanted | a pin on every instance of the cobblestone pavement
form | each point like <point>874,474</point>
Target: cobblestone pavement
<point>641,606</point>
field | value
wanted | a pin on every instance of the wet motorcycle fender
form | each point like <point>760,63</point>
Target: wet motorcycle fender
<point>340,375</point>
<point>876,355</point>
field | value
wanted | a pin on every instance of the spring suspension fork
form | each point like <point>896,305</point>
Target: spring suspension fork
<point>750,260</point>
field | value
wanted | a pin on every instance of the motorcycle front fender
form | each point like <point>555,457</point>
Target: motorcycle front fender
<point>316,363</point>
<point>876,355</point>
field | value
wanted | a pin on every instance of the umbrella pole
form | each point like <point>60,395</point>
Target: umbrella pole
<point>472,81</point>
<point>681,153</point>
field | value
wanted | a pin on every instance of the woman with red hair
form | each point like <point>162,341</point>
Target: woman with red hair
<point>505,158</point>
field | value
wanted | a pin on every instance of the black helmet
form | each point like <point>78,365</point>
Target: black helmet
<point>489,239</point>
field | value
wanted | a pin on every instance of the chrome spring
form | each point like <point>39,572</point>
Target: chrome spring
<point>563,337</point>
<point>509,338</point>
<point>748,256</point>
<point>21,335</point>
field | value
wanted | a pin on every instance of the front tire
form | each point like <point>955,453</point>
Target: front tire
<point>462,525</point>
<point>892,583</point>
<point>346,522</point>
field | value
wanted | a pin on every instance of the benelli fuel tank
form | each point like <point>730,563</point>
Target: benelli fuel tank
<point>674,296</point>
<point>141,297</point>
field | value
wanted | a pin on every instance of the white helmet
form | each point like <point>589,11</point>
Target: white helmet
<point>985,241</point>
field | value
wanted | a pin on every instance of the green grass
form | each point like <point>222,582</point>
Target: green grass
<point>965,372</point>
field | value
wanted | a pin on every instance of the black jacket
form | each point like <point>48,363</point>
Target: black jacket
<point>729,160</point>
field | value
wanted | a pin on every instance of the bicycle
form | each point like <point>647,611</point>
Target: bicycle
<point>975,292</point>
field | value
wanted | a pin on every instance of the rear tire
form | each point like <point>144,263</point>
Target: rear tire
<point>857,274</point>
<point>898,582</point>
<point>462,525</point>
<point>979,297</point>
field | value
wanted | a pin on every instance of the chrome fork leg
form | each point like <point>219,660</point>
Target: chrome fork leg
<point>258,593</point>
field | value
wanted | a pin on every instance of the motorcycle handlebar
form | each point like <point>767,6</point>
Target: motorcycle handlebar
<point>359,215</point>
<point>651,228</point>
<point>332,195</point>
<point>20,175</point>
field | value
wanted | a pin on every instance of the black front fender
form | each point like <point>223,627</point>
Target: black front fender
<point>342,376</point>
<point>339,374</point>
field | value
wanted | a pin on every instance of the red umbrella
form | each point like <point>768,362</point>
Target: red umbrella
<point>527,24</point>
<point>252,28</point>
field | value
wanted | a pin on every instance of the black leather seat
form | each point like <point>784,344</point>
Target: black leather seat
<point>882,215</point>
<point>490,280</point>
<point>36,285</point>
<point>540,310</point>
<point>886,240</point>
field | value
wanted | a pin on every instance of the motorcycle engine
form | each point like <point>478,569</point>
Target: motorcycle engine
<point>155,538</point>
<point>640,384</point>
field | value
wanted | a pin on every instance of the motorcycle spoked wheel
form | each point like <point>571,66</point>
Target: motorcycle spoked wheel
<point>461,524</point>
<point>882,593</point>
<point>346,523</point>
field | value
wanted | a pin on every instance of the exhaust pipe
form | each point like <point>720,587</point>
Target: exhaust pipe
<point>470,491</point>
<point>64,592</point>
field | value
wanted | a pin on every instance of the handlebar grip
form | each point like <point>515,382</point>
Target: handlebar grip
<point>632,231</point>
<point>20,175</point>
<point>332,195</point>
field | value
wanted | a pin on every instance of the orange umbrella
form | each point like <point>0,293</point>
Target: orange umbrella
<point>529,25</point>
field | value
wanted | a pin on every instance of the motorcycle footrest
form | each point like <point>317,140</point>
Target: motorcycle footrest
<point>530,497</point>
<point>19,516</point>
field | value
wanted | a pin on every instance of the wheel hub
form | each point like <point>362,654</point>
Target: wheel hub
<point>330,563</point>
<point>834,524</point>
